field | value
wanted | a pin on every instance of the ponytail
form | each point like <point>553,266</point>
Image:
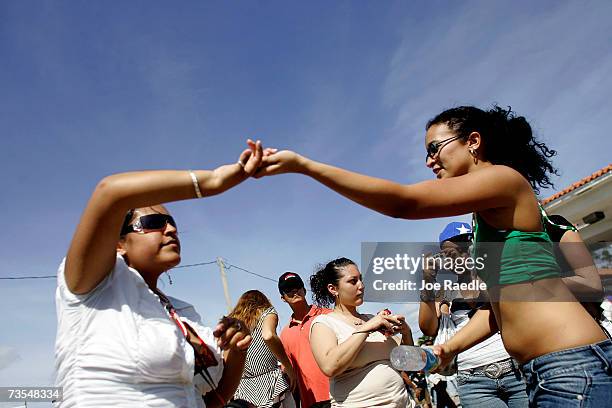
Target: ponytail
<point>507,140</point>
<point>324,275</point>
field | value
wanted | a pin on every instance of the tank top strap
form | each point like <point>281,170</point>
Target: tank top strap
<point>546,221</point>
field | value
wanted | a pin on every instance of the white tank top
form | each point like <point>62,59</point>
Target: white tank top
<point>370,380</point>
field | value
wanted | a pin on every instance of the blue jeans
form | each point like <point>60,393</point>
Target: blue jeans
<point>478,390</point>
<point>578,377</point>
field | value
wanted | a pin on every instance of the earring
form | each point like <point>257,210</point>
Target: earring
<point>474,155</point>
<point>169,277</point>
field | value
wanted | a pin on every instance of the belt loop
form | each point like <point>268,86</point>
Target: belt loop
<point>527,369</point>
<point>598,351</point>
<point>516,368</point>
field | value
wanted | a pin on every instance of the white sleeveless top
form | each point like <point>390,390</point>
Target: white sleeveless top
<point>370,380</point>
<point>486,352</point>
<point>117,347</point>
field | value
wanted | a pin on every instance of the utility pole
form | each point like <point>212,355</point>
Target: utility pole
<point>224,281</point>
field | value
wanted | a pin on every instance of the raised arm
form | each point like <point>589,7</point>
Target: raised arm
<point>268,332</point>
<point>428,307</point>
<point>92,252</point>
<point>490,187</point>
<point>428,318</point>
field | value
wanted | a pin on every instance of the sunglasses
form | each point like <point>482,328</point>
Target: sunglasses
<point>434,147</point>
<point>292,292</point>
<point>149,223</point>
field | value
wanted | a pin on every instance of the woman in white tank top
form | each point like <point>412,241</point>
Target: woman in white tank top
<point>352,348</point>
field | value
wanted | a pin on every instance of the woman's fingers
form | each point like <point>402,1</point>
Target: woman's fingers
<point>384,322</point>
<point>277,163</point>
<point>235,338</point>
<point>269,166</point>
<point>268,151</point>
<point>255,160</point>
<point>220,328</point>
<point>225,338</point>
<point>251,144</point>
<point>394,322</point>
<point>232,333</point>
<point>267,171</point>
<point>393,319</point>
<point>244,156</point>
<point>443,351</point>
<point>244,343</point>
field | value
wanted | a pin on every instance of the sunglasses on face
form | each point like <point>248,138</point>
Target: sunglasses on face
<point>149,223</point>
<point>292,292</point>
<point>434,148</point>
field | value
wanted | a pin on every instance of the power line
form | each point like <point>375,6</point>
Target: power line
<point>227,265</point>
<point>195,264</point>
<point>230,266</point>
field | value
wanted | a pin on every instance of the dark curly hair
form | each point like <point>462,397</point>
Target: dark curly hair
<point>507,139</point>
<point>324,275</point>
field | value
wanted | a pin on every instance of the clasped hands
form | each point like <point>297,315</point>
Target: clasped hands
<point>388,324</point>
<point>258,161</point>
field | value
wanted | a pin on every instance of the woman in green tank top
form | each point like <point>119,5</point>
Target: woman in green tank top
<point>488,163</point>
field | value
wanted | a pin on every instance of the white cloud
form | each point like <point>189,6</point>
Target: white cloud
<point>550,65</point>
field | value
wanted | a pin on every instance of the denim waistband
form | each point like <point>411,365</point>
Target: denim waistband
<point>494,370</point>
<point>570,359</point>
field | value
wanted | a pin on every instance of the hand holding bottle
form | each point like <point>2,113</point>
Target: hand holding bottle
<point>414,358</point>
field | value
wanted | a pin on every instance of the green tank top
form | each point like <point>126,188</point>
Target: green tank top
<point>511,256</point>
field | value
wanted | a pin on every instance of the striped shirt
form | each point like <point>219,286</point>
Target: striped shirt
<point>262,379</point>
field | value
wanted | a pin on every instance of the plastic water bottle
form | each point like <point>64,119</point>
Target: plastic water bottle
<point>413,358</point>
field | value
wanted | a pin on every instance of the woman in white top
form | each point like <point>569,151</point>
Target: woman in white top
<point>350,347</point>
<point>121,341</point>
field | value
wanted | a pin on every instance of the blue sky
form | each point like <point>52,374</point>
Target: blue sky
<point>95,88</point>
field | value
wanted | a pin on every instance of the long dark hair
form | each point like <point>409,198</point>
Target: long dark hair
<point>324,275</point>
<point>507,139</point>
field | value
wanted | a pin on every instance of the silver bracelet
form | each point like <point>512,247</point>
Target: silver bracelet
<point>196,184</point>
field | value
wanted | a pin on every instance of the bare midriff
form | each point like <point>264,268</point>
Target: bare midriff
<point>541,317</point>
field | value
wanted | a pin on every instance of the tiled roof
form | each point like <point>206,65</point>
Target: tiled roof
<point>577,184</point>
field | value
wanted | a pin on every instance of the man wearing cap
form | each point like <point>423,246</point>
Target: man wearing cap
<point>312,383</point>
<point>487,376</point>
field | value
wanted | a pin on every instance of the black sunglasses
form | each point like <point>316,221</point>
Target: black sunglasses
<point>292,292</point>
<point>149,223</point>
<point>434,147</point>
